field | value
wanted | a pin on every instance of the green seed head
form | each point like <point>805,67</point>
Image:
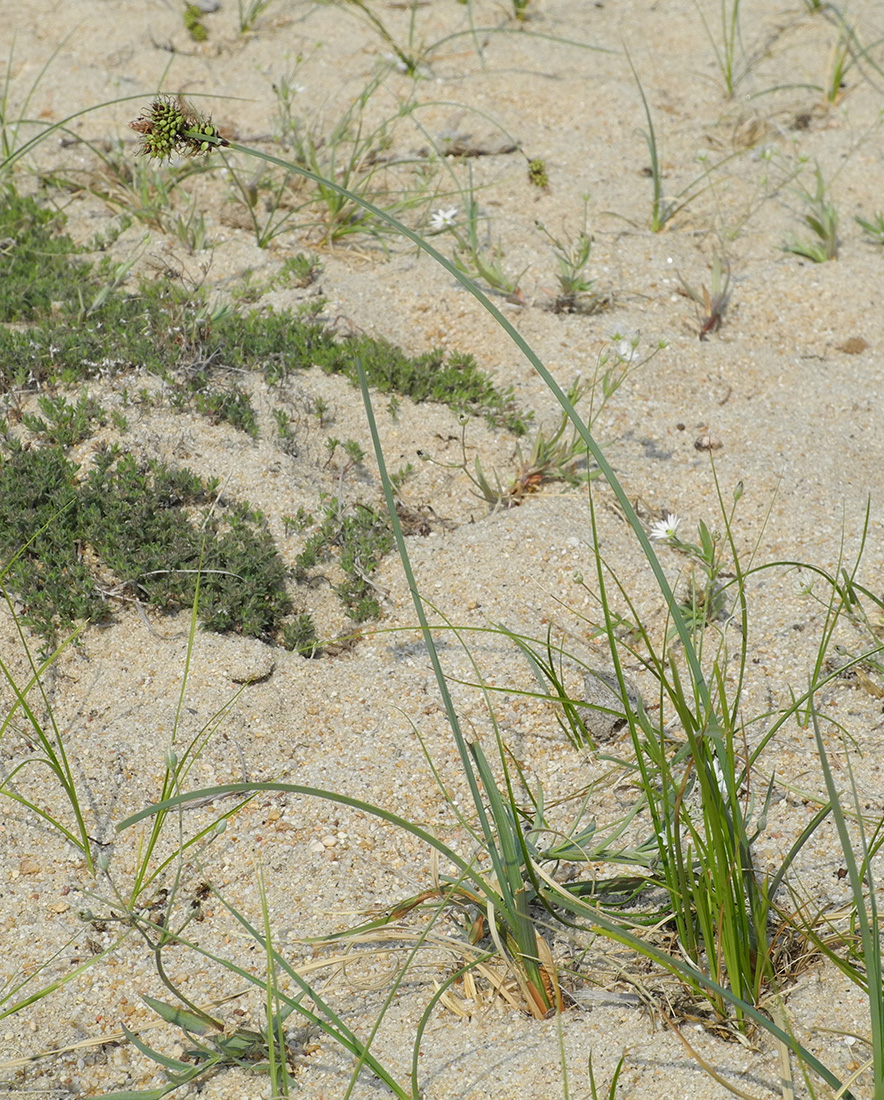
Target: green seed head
<point>169,125</point>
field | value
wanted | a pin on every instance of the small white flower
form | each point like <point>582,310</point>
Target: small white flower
<point>720,781</point>
<point>665,529</point>
<point>625,345</point>
<point>443,218</point>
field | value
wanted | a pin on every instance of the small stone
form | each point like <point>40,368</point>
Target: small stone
<point>601,688</point>
<point>853,345</point>
<point>28,866</point>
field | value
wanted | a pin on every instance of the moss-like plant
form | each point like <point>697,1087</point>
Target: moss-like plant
<point>60,532</point>
<point>35,258</point>
<point>172,332</point>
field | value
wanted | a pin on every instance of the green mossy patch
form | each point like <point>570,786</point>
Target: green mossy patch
<point>77,327</point>
<point>126,530</point>
<point>73,542</point>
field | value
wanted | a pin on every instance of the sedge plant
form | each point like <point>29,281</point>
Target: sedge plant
<point>706,710</point>
<point>663,207</point>
<point>516,879</point>
<point>822,219</point>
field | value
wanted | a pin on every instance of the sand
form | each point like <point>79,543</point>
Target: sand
<point>788,390</point>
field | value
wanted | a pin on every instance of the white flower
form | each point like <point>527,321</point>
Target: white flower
<point>665,529</point>
<point>720,781</point>
<point>443,218</point>
<point>625,345</point>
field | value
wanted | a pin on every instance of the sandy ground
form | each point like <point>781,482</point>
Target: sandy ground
<point>790,387</point>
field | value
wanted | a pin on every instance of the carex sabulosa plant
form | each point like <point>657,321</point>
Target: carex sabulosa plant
<point>707,710</point>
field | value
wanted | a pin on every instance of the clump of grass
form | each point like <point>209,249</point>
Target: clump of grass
<point>873,227</point>
<point>138,190</point>
<point>731,40</point>
<point>664,209</point>
<point>712,302</point>
<point>576,293</point>
<point>822,220</point>
<point>352,152</point>
<point>249,12</point>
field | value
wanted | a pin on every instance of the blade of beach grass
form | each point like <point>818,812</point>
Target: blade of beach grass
<point>590,914</point>
<point>862,887</point>
<point>51,741</point>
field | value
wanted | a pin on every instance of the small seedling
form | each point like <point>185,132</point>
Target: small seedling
<point>298,522</point>
<point>822,219</point>
<point>354,454</point>
<point>874,229</point>
<point>407,60</point>
<point>400,476</point>
<point>726,49</point>
<point>250,11</point>
<point>840,61</point>
<point>473,257</point>
<point>190,229</point>
<point>299,636</point>
<point>711,302</point>
<point>572,255</point>
<point>663,209</point>
<point>322,411</point>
